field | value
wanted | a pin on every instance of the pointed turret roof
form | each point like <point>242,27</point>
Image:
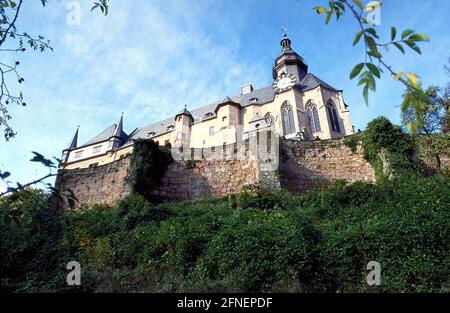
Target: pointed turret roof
<point>119,128</point>
<point>74,142</point>
<point>184,112</point>
<point>226,101</point>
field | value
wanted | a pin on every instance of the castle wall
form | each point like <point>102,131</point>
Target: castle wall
<point>304,165</point>
<point>206,179</point>
<point>104,184</point>
<point>301,166</point>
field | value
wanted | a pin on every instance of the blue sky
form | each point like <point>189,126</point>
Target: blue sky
<point>150,58</point>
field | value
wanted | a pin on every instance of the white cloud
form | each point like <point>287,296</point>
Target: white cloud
<point>147,61</point>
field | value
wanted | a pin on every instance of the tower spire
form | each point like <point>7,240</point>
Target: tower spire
<point>285,41</point>
<point>74,142</point>
<point>119,127</point>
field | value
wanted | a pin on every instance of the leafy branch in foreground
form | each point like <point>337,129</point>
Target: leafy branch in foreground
<point>103,5</point>
<point>17,40</point>
<point>12,42</point>
<point>374,64</point>
<point>39,158</point>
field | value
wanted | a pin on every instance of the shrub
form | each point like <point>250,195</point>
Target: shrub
<point>319,241</point>
<point>148,165</point>
<point>255,250</point>
<point>388,149</point>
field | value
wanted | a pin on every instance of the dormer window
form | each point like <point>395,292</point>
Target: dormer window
<point>170,128</point>
<point>253,100</point>
<point>96,149</point>
<point>151,134</point>
<point>208,115</point>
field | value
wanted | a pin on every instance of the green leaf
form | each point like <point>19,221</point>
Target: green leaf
<point>320,10</point>
<point>5,175</point>
<point>371,82</point>
<point>328,17</point>
<point>356,70</point>
<point>373,69</point>
<point>419,37</point>
<point>412,78</point>
<point>398,75</point>
<point>341,6</point>
<point>406,33</point>
<point>357,37</point>
<point>417,49</point>
<point>366,94</point>
<point>372,31</point>
<point>399,47</point>
<point>393,33</point>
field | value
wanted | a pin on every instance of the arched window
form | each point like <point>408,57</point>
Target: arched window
<point>269,120</point>
<point>313,117</point>
<point>287,119</point>
<point>332,116</point>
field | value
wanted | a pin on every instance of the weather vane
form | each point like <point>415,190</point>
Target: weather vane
<point>284,31</point>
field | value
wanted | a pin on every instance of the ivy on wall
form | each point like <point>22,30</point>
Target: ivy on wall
<point>148,164</point>
<point>388,149</point>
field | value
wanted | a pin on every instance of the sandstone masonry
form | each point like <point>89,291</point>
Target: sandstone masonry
<point>302,165</point>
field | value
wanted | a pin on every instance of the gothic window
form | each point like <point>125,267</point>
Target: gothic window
<point>287,118</point>
<point>269,120</point>
<point>332,116</point>
<point>313,117</point>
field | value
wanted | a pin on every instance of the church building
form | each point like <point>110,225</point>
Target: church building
<point>297,105</point>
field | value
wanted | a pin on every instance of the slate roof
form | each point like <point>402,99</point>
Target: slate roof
<point>74,142</point>
<point>184,112</point>
<point>105,135</point>
<point>262,96</point>
<point>310,81</point>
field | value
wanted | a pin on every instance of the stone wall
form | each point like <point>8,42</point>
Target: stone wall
<point>206,179</point>
<point>301,166</point>
<point>304,165</point>
<point>182,181</point>
<point>103,184</point>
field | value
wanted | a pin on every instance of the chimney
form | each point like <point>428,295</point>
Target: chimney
<point>246,89</point>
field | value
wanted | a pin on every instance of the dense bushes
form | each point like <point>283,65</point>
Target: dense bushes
<point>250,242</point>
<point>148,165</point>
<point>388,149</point>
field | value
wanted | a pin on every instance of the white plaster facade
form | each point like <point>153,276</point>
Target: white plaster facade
<point>297,104</point>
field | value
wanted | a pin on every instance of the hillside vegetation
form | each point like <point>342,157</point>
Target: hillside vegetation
<point>255,241</point>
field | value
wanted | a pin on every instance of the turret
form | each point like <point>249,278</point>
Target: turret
<point>117,139</point>
<point>72,145</point>
<point>289,62</point>
<point>182,134</point>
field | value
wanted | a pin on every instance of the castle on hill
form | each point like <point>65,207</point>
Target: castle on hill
<point>297,105</point>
